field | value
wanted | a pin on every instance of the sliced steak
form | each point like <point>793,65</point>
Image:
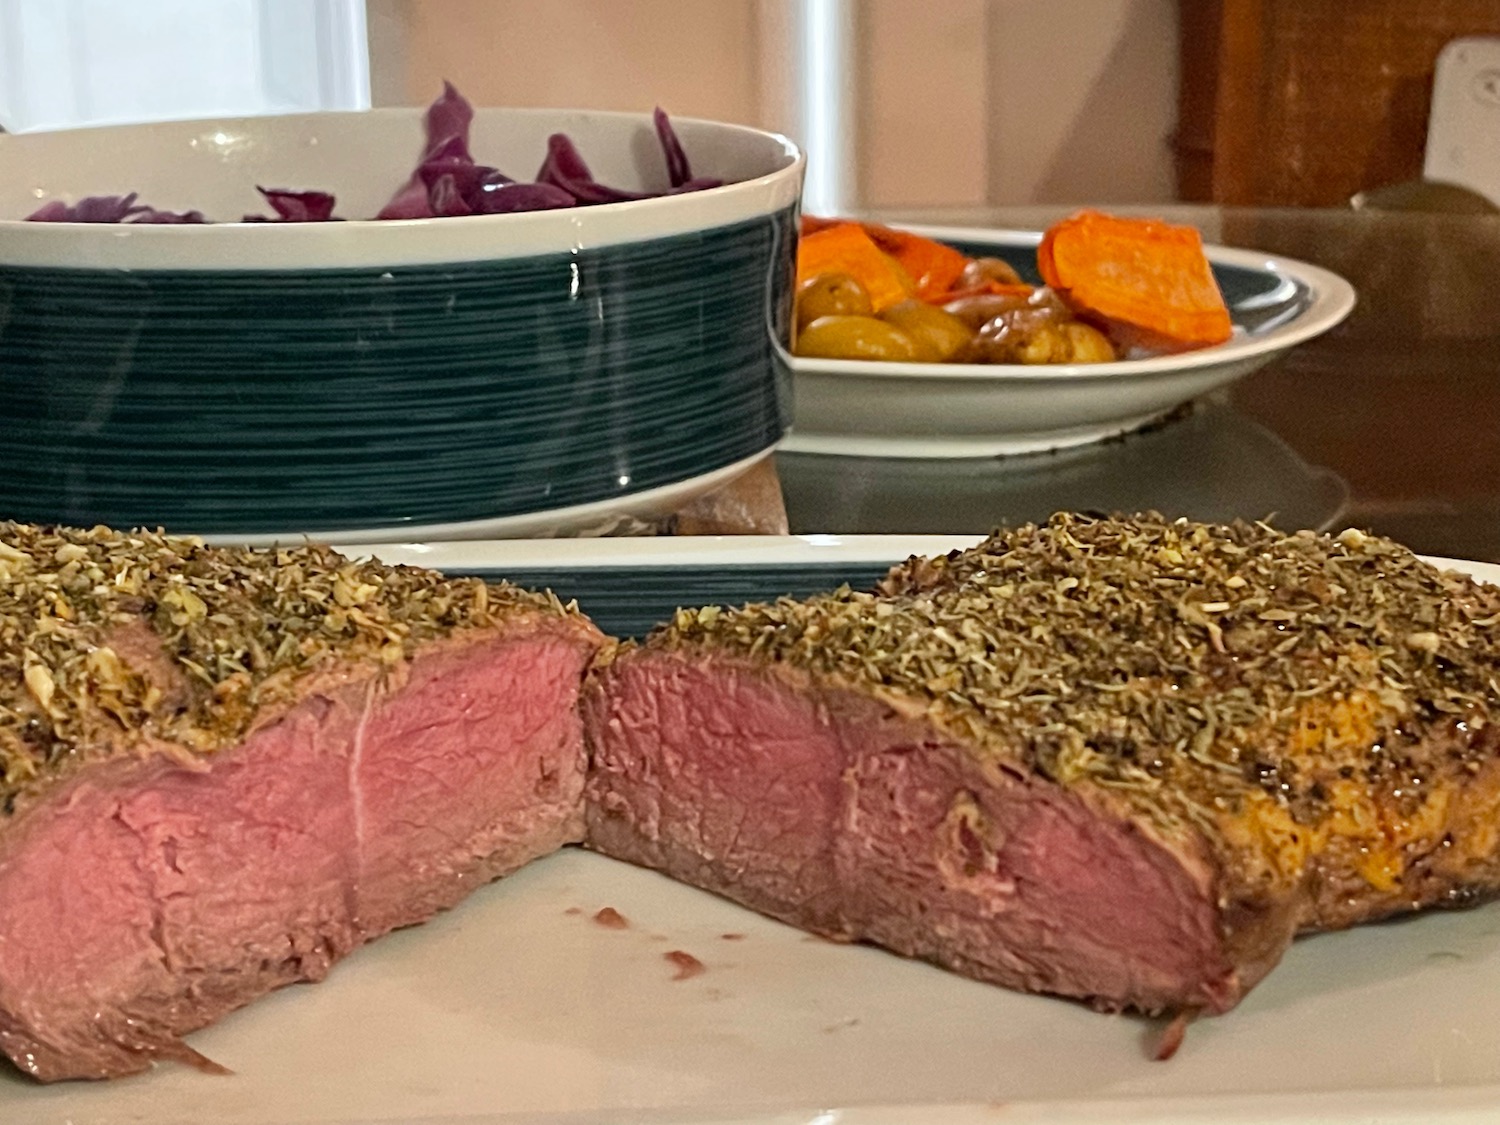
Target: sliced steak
<point>1119,760</point>
<point>223,771</point>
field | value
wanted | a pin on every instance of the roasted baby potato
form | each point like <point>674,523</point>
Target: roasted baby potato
<point>939,335</point>
<point>856,337</point>
<point>831,294</point>
<point>1031,337</point>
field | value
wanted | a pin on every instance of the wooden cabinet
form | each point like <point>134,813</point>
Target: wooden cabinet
<point>1305,102</point>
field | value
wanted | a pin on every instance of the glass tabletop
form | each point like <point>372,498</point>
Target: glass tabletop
<point>1391,422</point>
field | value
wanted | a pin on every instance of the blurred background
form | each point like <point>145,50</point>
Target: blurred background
<point>1078,95</point>
<point>903,103</point>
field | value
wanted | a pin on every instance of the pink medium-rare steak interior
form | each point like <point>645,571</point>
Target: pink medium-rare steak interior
<point>721,779</point>
<point>828,809</point>
<point>434,825</point>
<point>148,897</point>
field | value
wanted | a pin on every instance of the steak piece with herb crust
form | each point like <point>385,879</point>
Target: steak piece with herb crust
<point>1123,760</point>
<point>225,770</point>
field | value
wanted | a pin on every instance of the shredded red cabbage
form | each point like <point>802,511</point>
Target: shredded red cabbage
<point>448,120</point>
<point>296,206</point>
<point>498,199</point>
<point>168,218</point>
<point>446,182</point>
<point>679,172</point>
<point>565,168</point>
<point>445,199</point>
<point>697,183</point>
<point>110,209</point>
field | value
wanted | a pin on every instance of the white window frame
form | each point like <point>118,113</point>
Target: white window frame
<point>299,55</point>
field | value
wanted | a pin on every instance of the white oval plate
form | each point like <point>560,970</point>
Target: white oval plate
<point>865,408</point>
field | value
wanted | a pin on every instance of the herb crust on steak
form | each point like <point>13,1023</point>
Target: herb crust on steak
<point>107,637</point>
<point>1312,705</point>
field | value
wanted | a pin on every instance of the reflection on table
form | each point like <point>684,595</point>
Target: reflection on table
<point>1207,462</point>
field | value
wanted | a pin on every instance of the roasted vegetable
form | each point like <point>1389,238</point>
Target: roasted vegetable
<point>980,272</point>
<point>1148,280</point>
<point>934,267</point>
<point>846,248</point>
<point>939,335</point>
<point>831,294</point>
<point>981,308</point>
<point>857,337</point>
<point>1112,286</point>
<point>1029,336</point>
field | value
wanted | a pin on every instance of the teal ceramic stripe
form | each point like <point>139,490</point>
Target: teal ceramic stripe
<point>269,400</point>
<point>631,601</point>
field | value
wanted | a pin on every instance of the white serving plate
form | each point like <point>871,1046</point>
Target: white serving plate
<point>513,1008</point>
<point>633,513</point>
<point>865,408</point>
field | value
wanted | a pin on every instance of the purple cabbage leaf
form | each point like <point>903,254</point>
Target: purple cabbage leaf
<point>565,168</point>
<point>110,209</point>
<point>447,124</point>
<point>446,182</point>
<point>296,206</point>
<point>679,171</point>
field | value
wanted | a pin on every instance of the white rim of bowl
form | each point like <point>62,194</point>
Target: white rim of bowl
<point>1333,299</point>
<point>362,243</point>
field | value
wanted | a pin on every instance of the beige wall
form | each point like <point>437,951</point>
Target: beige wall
<point>924,105</point>
<point>1083,100</point>
<point>960,101</point>
<point>696,59</point>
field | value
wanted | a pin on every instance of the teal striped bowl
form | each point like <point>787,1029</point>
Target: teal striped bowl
<point>543,373</point>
